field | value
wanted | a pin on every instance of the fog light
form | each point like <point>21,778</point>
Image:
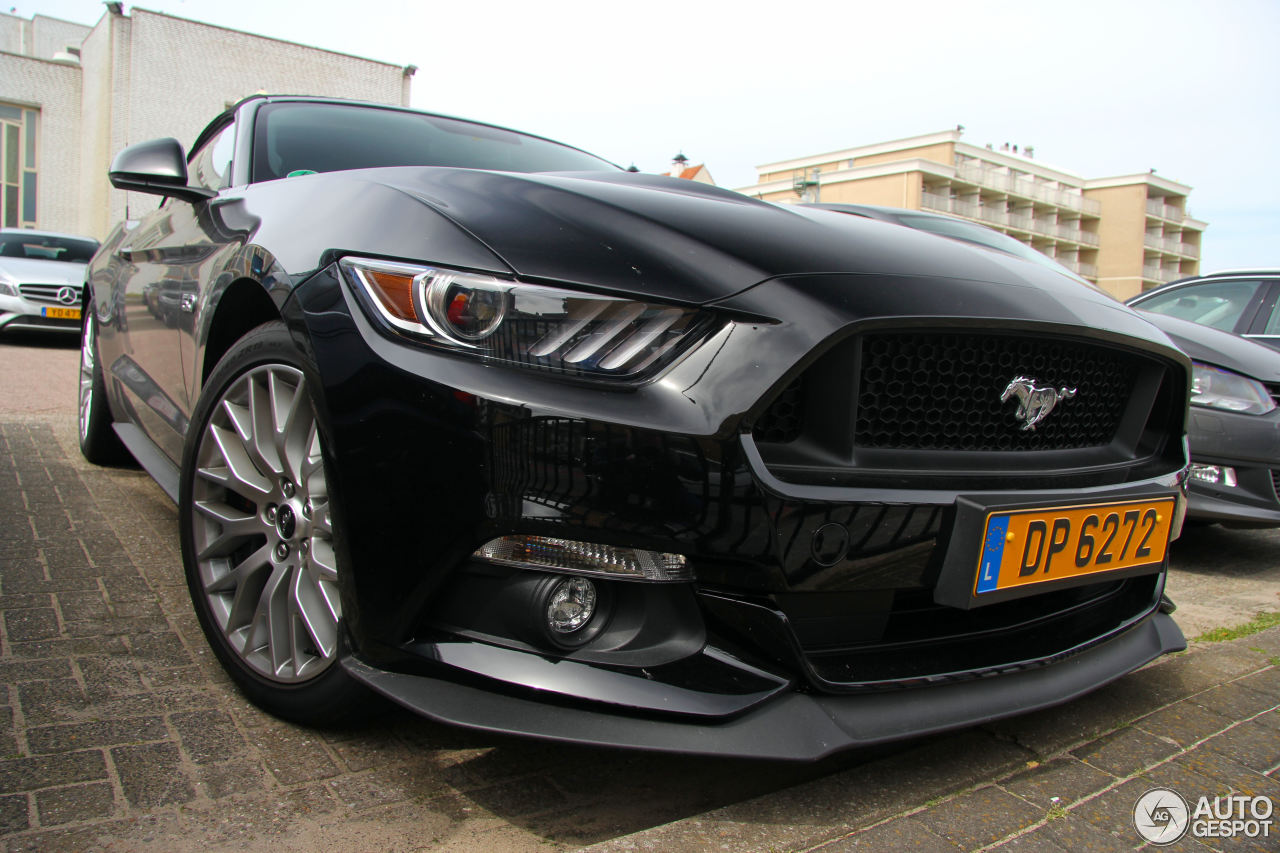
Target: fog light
<point>1213,474</point>
<point>587,558</point>
<point>571,605</point>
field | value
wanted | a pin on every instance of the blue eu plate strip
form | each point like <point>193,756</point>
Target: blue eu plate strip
<point>992,551</point>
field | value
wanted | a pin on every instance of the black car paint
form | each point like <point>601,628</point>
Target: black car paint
<point>413,434</point>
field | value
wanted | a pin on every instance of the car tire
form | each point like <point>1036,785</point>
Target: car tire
<point>259,534</point>
<point>98,440</point>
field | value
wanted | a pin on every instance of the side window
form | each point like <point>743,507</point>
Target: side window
<point>1272,326</point>
<point>1215,303</point>
<point>211,165</point>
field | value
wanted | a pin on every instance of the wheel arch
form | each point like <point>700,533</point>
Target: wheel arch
<point>241,307</point>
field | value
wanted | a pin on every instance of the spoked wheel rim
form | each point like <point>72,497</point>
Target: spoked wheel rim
<point>262,532</point>
<point>87,362</point>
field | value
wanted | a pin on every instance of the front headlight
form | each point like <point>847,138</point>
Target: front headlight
<point>530,325</point>
<point>8,286</point>
<point>1222,389</point>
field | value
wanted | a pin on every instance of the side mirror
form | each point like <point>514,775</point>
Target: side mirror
<point>157,167</point>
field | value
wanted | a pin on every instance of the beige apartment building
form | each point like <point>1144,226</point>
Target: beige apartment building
<point>1126,233</point>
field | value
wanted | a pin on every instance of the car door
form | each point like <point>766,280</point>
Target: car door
<point>164,254</point>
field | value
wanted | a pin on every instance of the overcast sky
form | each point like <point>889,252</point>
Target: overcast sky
<point>1191,89</point>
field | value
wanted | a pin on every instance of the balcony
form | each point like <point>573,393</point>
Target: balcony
<point>934,201</point>
<point>993,179</point>
<point>1045,227</point>
<point>1170,245</point>
<point>1072,232</point>
<point>1160,274</point>
<point>993,216</point>
<point>1090,206</point>
<point>1000,218</point>
<point>1160,210</point>
<point>1075,234</point>
<point>1081,268</point>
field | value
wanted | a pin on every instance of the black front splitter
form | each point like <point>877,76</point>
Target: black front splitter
<point>794,727</point>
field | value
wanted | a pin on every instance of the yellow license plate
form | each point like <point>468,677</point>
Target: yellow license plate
<point>61,313</point>
<point>1032,546</point>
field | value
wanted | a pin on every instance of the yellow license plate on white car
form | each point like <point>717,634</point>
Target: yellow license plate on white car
<point>1032,546</point>
<point>61,313</point>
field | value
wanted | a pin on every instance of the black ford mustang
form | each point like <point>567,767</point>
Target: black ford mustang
<point>531,444</point>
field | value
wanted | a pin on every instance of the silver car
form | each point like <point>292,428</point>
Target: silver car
<point>41,275</point>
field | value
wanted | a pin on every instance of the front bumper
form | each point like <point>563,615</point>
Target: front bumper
<point>19,312</point>
<point>794,726</point>
<point>1248,444</point>
<point>785,647</point>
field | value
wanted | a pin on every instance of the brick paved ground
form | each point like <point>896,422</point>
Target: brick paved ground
<point>118,730</point>
<point>1205,723</point>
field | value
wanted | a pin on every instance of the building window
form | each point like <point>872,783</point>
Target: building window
<point>17,166</point>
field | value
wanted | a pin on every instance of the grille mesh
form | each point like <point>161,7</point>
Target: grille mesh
<point>926,390</point>
<point>784,419</point>
<point>1275,481</point>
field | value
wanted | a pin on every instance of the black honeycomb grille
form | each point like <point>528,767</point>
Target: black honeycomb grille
<point>941,391</point>
<point>1275,481</point>
<point>783,421</point>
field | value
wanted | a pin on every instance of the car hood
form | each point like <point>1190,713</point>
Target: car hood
<point>1219,348</point>
<point>686,238</point>
<point>649,236</point>
<point>681,240</point>
<point>28,271</point>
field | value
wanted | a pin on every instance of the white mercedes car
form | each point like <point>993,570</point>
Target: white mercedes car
<point>41,275</point>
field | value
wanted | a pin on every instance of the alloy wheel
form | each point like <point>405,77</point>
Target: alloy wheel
<point>87,361</point>
<point>262,530</point>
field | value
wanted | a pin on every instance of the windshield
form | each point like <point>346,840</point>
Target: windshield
<point>293,137</point>
<point>43,247</point>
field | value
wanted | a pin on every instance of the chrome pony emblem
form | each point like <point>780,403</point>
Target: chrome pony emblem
<point>1035,402</point>
<point>67,295</point>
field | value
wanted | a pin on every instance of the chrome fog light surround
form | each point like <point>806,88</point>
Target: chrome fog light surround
<point>585,558</point>
<point>570,611</point>
<point>1215,475</point>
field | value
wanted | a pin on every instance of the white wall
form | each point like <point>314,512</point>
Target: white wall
<point>54,89</point>
<point>149,75</point>
<point>51,35</point>
<point>184,73</point>
<point>14,33</point>
<point>96,215</point>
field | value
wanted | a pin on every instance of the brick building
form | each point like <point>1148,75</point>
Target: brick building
<point>71,96</point>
